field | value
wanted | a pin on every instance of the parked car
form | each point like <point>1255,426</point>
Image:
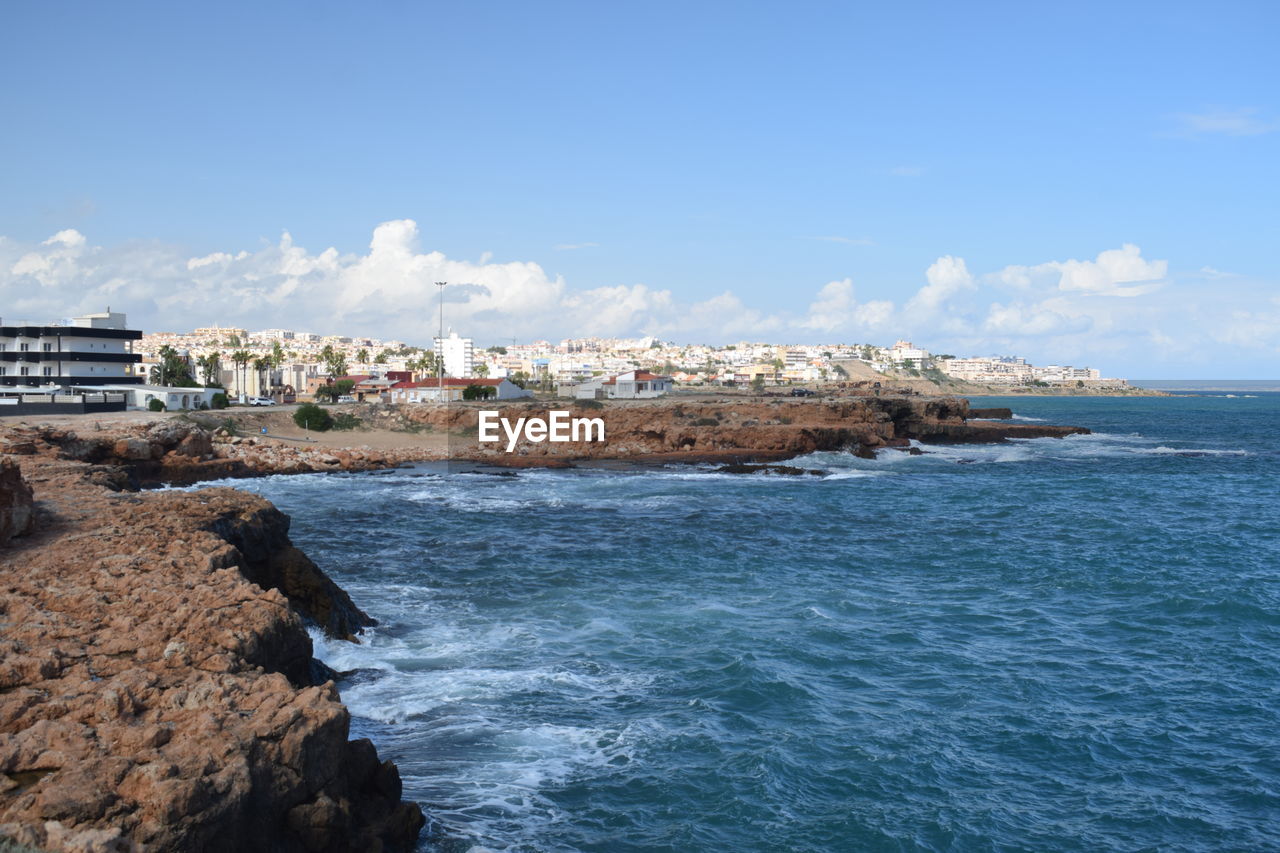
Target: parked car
<point>346,398</point>
<point>801,392</point>
<point>261,401</point>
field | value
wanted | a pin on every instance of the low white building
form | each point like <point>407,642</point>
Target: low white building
<point>174,399</point>
<point>430,390</point>
<point>632,385</point>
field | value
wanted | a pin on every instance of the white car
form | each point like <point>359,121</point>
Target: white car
<point>261,401</point>
<point>346,398</point>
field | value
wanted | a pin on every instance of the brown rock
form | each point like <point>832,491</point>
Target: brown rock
<point>17,505</point>
<point>154,695</point>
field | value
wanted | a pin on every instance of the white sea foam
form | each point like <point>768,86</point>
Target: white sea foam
<point>1026,418</point>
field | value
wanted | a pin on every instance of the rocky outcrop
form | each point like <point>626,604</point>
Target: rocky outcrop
<point>260,536</point>
<point>731,430</point>
<point>17,508</point>
<point>157,686</point>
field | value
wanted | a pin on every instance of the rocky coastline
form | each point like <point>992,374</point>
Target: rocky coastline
<point>157,684</point>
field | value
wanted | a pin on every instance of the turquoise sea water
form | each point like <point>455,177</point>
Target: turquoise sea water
<point>1042,645</point>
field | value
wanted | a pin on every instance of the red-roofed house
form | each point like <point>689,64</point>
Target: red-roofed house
<point>632,385</point>
<point>428,390</point>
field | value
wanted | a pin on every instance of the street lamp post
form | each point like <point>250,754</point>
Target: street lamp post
<point>440,341</point>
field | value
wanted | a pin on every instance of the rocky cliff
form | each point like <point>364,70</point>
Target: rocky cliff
<point>157,687</point>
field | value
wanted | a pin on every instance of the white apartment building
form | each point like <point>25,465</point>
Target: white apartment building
<point>92,350</point>
<point>904,352</point>
<point>1011,370</point>
<point>459,354</point>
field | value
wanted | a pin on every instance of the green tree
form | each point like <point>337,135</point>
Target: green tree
<point>482,370</point>
<point>497,350</point>
<point>381,358</point>
<point>362,355</point>
<point>333,390</point>
<point>757,383</point>
<point>277,354</point>
<point>478,392</point>
<point>155,405</point>
<point>172,369</point>
<point>311,416</point>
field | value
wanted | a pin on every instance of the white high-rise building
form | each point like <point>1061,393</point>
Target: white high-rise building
<point>458,353</point>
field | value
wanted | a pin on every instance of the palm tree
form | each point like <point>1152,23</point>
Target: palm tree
<point>362,355</point>
<point>242,358</point>
<point>209,367</point>
<point>261,366</point>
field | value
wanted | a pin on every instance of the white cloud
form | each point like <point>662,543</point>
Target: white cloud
<point>1085,310</point>
<point>1245,121</point>
<point>836,309</point>
<point>947,276</point>
<point>1115,272</point>
<point>1210,272</point>
<point>1039,319</point>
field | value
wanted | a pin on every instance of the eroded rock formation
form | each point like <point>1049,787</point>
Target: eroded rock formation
<point>157,688</point>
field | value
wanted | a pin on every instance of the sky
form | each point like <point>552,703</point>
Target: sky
<point>1084,183</point>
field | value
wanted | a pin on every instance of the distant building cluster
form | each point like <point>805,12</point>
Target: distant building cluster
<point>1013,371</point>
<point>183,369</point>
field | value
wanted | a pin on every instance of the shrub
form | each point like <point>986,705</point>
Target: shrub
<point>311,416</point>
<point>588,404</point>
<point>156,405</point>
<point>706,422</point>
<point>478,392</point>
<point>220,401</point>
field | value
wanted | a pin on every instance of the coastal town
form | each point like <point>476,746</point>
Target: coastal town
<point>214,365</point>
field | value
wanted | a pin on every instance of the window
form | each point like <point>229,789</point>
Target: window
<point>48,371</point>
<point>4,371</point>
<point>24,370</point>
<point>24,347</point>
<point>47,347</point>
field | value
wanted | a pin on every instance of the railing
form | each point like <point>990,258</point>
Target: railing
<point>71,355</point>
<point>101,397</point>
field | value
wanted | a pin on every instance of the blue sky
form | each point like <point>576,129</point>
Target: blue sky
<point>700,171</point>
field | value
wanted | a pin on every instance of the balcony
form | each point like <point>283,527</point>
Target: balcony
<point>76,355</point>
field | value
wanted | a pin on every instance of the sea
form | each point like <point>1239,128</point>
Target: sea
<point>1042,645</point>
